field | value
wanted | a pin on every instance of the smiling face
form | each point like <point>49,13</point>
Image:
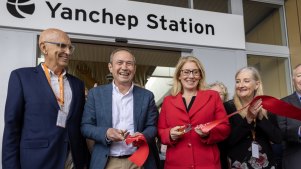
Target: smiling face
<point>297,79</point>
<point>123,68</point>
<point>246,85</point>
<point>55,56</point>
<point>190,76</point>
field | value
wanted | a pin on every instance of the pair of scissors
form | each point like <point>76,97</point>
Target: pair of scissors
<point>186,129</point>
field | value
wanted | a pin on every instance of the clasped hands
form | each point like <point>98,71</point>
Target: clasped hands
<point>255,111</point>
<point>178,131</point>
<point>116,135</point>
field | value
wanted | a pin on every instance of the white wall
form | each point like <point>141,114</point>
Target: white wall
<point>18,49</point>
<point>221,65</point>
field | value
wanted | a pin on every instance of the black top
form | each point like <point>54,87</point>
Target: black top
<point>190,104</point>
<point>239,142</point>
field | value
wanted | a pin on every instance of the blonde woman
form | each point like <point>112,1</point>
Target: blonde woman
<point>221,89</point>
<point>190,105</point>
<point>253,129</point>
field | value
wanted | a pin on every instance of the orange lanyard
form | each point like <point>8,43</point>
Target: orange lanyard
<point>61,84</point>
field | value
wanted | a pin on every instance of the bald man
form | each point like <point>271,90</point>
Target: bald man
<point>43,112</point>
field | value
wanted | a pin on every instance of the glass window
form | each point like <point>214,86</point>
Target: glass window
<point>212,5</point>
<point>273,74</point>
<point>263,23</point>
<point>177,3</point>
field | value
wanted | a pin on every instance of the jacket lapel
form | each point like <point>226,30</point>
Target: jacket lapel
<point>295,100</point>
<point>47,87</point>
<point>138,101</point>
<point>177,101</point>
<point>74,95</point>
<point>107,103</point>
<point>199,102</point>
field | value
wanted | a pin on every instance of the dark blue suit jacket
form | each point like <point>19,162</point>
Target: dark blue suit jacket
<point>289,128</point>
<point>31,138</point>
<point>97,119</point>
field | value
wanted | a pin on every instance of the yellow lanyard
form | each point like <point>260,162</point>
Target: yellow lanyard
<point>61,84</point>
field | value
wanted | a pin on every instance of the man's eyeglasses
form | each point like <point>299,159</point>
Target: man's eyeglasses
<point>195,72</point>
<point>63,46</point>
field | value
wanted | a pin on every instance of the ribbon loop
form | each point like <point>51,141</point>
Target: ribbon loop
<point>140,156</point>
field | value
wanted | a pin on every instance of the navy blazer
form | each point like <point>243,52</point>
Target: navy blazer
<point>31,138</point>
<point>289,128</point>
<point>97,118</point>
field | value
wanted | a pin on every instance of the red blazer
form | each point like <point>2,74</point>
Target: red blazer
<point>192,151</point>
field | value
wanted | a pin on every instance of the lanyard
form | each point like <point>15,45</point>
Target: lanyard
<point>61,84</point>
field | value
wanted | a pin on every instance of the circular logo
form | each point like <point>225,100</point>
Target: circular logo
<point>20,8</point>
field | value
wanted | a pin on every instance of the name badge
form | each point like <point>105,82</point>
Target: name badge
<point>61,119</point>
<point>255,150</point>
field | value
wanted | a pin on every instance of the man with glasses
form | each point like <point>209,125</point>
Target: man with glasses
<point>43,112</point>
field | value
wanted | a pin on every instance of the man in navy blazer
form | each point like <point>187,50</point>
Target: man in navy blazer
<point>291,128</point>
<point>43,112</point>
<point>117,109</point>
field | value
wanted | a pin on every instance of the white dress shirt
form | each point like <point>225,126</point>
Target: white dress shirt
<point>55,85</point>
<point>122,118</point>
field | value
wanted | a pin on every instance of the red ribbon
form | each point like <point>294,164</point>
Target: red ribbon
<point>269,103</point>
<point>279,107</point>
<point>140,156</point>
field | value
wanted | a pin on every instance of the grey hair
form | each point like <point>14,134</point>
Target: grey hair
<point>121,49</point>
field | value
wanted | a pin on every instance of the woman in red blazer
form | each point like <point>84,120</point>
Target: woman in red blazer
<point>190,105</point>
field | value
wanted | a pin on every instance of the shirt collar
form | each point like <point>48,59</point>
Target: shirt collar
<point>52,73</point>
<point>116,89</point>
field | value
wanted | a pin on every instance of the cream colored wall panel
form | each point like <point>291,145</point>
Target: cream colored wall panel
<point>272,71</point>
<point>292,7</point>
<point>252,36</point>
<point>266,31</point>
<point>282,75</point>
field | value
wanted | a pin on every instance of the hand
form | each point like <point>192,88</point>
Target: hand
<point>254,110</point>
<point>176,132</point>
<point>200,132</point>
<point>137,143</point>
<point>116,134</point>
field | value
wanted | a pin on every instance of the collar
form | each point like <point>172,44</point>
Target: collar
<point>116,89</point>
<point>52,73</point>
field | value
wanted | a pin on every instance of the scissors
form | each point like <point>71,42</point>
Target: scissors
<point>186,129</point>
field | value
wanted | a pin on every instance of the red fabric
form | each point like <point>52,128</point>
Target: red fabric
<point>279,107</point>
<point>191,150</point>
<point>210,125</point>
<point>269,103</point>
<point>141,154</point>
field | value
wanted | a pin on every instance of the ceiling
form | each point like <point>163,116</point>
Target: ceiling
<point>144,56</point>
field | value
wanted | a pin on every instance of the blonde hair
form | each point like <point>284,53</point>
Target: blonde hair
<point>257,92</point>
<point>222,86</point>
<point>177,86</point>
